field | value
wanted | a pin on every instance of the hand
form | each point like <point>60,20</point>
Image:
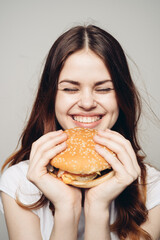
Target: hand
<point>43,150</point>
<point>124,164</point>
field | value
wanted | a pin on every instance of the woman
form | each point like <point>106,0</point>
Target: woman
<point>86,82</point>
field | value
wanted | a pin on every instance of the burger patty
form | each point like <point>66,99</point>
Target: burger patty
<point>69,177</point>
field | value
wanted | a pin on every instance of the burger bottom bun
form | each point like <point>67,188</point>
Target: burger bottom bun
<point>91,183</point>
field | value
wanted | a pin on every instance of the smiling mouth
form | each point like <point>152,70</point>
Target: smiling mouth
<point>83,119</point>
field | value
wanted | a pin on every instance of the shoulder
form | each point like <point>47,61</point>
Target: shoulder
<point>153,187</point>
<point>15,172</point>
<point>13,175</point>
<point>153,177</point>
<point>14,182</point>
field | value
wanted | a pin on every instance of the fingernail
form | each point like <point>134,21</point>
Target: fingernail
<point>108,130</point>
<point>59,131</point>
<point>98,147</point>
<point>100,131</point>
<point>64,144</point>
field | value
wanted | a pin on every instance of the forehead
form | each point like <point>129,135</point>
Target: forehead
<point>84,64</point>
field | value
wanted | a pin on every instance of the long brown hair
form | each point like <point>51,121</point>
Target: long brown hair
<point>130,204</point>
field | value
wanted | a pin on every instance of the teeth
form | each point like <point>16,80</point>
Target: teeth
<point>86,119</point>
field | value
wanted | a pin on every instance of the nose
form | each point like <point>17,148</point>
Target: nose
<point>87,101</point>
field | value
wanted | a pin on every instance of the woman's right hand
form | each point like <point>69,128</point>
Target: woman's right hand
<point>43,150</point>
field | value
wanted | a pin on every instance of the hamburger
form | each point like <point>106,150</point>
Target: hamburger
<point>79,164</point>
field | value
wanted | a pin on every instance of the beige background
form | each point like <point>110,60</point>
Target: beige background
<point>28,29</point>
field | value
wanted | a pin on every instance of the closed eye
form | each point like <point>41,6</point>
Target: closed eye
<point>71,90</point>
<point>104,90</point>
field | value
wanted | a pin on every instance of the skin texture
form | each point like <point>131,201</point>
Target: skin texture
<point>86,87</point>
<point>87,90</point>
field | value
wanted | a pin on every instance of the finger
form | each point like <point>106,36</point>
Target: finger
<point>38,167</point>
<point>44,158</point>
<point>48,150</point>
<point>47,141</point>
<point>119,139</point>
<point>41,151</point>
<point>121,153</point>
<point>112,160</point>
<point>120,171</point>
<point>52,142</point>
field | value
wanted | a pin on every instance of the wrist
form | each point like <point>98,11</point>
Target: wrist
<point>68,211</point>
<point>67,215</point>
<point>91,206</point>
<point>97,212</point>
<point>97,225</point>
<point>68,220</point>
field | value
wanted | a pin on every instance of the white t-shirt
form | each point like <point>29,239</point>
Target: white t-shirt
<point>14,181</point>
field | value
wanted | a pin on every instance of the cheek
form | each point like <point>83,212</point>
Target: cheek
<point>114,106</point>
<point>58,104</point>
<point>109,102</point>
<point>63,103</point>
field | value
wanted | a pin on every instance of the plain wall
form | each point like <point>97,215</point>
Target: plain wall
<point>28,29</point>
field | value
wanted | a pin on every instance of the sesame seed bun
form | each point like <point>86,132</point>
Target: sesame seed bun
<point>80,165</point>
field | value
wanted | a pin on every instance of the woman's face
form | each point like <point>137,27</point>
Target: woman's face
<point>86,96</point>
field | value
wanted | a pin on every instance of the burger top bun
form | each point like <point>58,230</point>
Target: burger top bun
<point>80,156</point>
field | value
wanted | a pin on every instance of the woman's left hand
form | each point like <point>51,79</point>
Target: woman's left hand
<point>124,165</point>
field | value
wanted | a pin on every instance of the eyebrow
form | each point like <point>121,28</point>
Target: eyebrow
<point>77,83</point>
